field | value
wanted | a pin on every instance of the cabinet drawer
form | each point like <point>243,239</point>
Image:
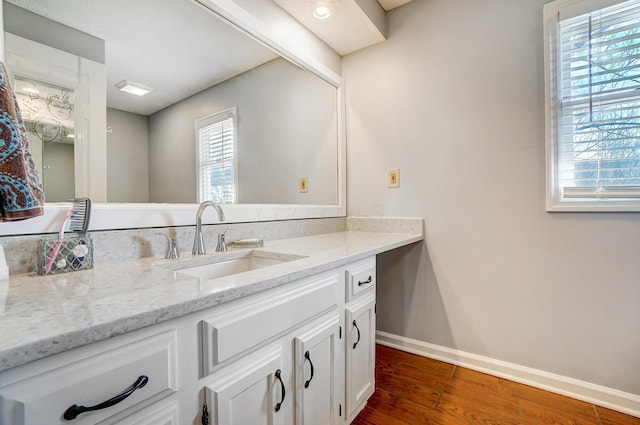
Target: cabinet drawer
<point>43,398</point>
<point>160,413</point>
<point>248,324</point>
<point>360,277</point>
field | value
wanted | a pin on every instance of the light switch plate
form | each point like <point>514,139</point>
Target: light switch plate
<point>394,178</point>
<point>304,187</point>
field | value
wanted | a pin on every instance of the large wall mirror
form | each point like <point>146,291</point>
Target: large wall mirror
<point>227,118</point>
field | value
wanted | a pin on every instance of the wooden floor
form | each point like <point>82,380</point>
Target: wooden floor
<point>415,390</point>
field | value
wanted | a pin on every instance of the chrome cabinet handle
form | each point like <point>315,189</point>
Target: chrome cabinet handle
<point>73,411</point>
<point>278,376</point>
<point>364,282</point>
<point>307,356</point>
<point>355,344</point>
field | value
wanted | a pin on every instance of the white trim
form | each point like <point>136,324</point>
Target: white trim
<point>551,95</point>
<point>568,9</point>
<point>556,201</point>
<point>133,216</point>
<point>87,79</point>
<point>278,38</point>
<point>92,179</point>
<point>591,393</point>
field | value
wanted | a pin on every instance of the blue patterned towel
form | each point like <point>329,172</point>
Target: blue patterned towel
<point>21,194</point>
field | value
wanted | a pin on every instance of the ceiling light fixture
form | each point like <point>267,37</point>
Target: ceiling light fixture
<point>323,9</point>
<point>133,88</point>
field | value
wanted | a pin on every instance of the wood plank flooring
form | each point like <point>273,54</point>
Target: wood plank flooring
<point>413,390</point>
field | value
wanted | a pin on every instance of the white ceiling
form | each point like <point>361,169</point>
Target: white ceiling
<point>179,49</point>
<point>392,4</point>
<point>354,24</point>
<point>348,28</point>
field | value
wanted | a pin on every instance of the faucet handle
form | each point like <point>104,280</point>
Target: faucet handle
<point>222,245</point>
<point>172,247</point>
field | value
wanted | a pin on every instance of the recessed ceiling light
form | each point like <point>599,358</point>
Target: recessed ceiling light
<point>323,9</point>
<point>133,88</point>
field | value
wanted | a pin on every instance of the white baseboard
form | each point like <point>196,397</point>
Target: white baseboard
<point>602,396</point>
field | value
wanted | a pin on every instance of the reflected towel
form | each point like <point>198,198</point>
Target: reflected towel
<point>21,194</point>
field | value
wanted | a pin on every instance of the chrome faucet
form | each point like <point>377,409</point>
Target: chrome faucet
<point>198,241</point>
<point>172,247</point>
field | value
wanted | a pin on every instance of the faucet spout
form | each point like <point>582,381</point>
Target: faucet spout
<point>198,241</point>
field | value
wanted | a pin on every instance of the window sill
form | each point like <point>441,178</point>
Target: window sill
<point>594,205</point>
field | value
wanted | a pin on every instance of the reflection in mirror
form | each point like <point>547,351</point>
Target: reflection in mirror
<point>286,119</point>
<point>47,112</point>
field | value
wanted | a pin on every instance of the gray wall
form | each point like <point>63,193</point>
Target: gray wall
<point>455,99</point>
<point>59,175</point>
<point>286,130</point>
<point>127,157</point>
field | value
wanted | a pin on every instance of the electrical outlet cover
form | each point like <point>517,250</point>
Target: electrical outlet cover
<point>394,178</point>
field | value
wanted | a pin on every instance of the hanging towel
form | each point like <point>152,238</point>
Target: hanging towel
<point>21,194</point>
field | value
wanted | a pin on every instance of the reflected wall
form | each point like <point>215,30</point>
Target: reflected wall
<point>286,131</point>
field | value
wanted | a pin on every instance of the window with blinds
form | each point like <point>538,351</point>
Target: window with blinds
<point>596,139</point>
<point>217,157</point>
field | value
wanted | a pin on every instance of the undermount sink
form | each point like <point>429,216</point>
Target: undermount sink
<point>220,265</point>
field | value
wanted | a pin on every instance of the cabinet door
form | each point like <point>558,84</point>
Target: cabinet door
<point>249,391</point>
<point>316,351</point>
<point>360,353</point>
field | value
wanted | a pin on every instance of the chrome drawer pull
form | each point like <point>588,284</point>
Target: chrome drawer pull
<point>360,283</point>
<point>73,411</point>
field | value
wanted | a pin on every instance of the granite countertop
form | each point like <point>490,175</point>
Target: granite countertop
<point>44,315</point>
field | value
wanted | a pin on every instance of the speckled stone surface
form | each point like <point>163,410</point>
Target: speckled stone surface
<point>385,224</point>
<point>120,245</point>
<point>44,315</point>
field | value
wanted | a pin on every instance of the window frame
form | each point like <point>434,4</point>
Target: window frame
<point>553,13</point>
<point>207,121</point>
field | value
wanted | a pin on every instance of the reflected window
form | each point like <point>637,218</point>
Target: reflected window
<point>217,157</point>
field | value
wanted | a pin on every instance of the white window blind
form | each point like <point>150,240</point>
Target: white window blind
<point>217,157</point>
<point>598,111</point>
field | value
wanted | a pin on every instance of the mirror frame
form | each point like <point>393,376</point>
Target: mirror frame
<point>108,216</point>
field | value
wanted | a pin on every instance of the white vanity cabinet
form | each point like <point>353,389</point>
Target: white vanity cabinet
<point>82,386</point>
<point>275,359</point>
<point>301,353</point>
<point>290,381</point>
<point>243,392</point>
<point>360,318</point>
<point>317,363</point>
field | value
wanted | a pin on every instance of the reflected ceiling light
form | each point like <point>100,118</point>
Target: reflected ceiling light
<point>30,90</point>
<point>133,88</point>
<point>322,9</point>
